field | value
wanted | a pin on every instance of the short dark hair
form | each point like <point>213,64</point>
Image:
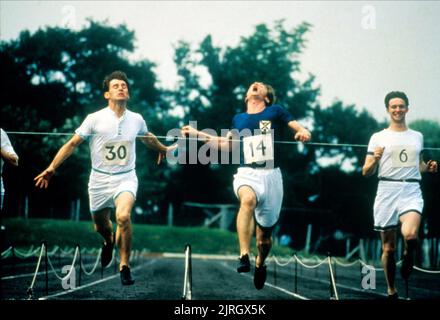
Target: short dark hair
<point>396,94</point>
<point>119,75</point>
<point>270,95</point>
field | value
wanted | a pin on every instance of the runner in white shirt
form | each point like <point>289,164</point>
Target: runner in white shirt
<point>111,133</point>
<point>395,153</point>
<point>7,154</point>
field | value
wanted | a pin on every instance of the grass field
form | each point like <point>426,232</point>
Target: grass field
<point>23,233</point>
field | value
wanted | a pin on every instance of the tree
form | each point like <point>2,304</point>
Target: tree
<point>270,55</point>
<point>339,124</point>
<point>51,79</point>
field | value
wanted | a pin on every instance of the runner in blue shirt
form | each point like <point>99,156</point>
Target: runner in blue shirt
<point>258,182</point>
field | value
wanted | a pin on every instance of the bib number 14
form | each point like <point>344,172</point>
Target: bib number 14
<point>258,148</point>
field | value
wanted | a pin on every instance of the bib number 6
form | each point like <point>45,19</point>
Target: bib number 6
<point>404,156</point>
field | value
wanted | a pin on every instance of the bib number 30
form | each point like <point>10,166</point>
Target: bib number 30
<point>116,153</point>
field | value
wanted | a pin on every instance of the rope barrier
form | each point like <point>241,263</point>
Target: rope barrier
<point>5,254</point>
<point>54,250</point>
<point>310,267</point>
<point>72,267</point>
<point>30,252</point>
<point>281,264</point>
<point>187,287</point>
<point>427,271</point>
<point>347,265</point>
<point>67,252</point>
<point>342,264</point>
<point>98,257</point>
<point>322,144</point>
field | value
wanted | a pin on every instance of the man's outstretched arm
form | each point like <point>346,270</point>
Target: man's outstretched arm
<point>219,143</point>
<point>301,133</point>
<point>42,180</point>
<point>151,141</point>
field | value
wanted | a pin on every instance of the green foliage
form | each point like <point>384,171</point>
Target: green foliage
<point>271,56</point>
<point>24,233</point>
<point>53,79</point>
<point>430,130</point>
<point>345,125</point>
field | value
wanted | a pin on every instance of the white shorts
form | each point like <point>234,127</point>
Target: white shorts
<point>394,199</point>
<point>104,188</point>
<point>268,187</point>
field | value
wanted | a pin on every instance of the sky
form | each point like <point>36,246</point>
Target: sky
<point>358,50</point>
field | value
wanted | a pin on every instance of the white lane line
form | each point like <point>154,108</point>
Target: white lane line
<point>24,275</point>
<point>92,283</point>
<point>338,285</point>
<point>200,256</point>
<point>298,296</point>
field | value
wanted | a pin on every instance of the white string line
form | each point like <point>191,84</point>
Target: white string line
<point>5,254</point>
<point>278,262</point>
<point>203,139</point>
<point>187,285</point>
<point>31,252</point>
<point>310,267</point>
<point>25,254</point>
<point>267,283</point>
<point>428,291</point>
<point>344,265</point>
<point>25,275</point>
<point>38,267</point>
<point>332,277</point>
<point>342,286</point>
<point>72,266</point>
<point>347,265</point>
<point>66,251</point>
<point>426,271</point>
<point>62,293</point>
<point>89,273</point>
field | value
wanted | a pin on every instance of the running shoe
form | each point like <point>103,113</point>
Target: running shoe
<point>244,265</point>
<point>126,278</point>
<point>393,296</point>
<point>260,274</point>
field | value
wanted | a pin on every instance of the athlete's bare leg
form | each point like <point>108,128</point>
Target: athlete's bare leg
<point>124,204</point>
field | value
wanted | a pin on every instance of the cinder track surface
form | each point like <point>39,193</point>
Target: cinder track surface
<point>160,277</point>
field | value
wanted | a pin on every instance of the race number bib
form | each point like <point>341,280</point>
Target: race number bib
<point>258,148</point>
<point>116,153</point>
<point>403,156</point>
